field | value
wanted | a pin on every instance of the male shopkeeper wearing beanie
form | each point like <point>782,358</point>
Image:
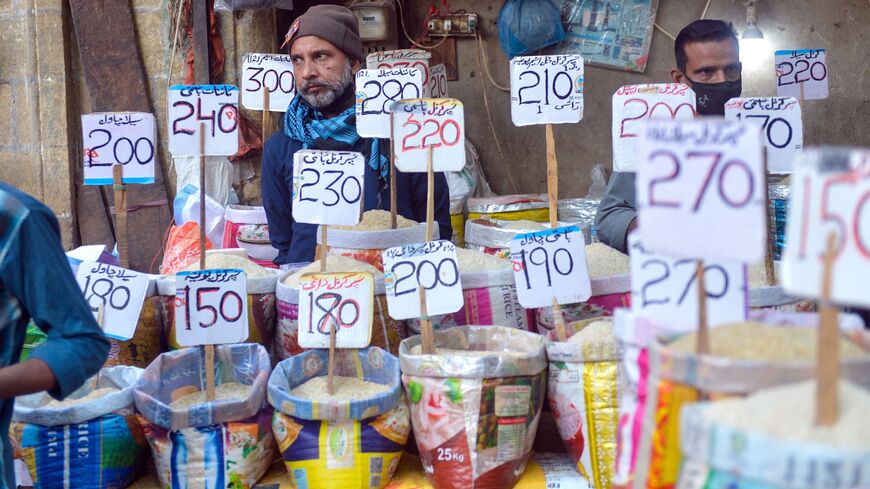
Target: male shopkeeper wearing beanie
<point>326,52</point>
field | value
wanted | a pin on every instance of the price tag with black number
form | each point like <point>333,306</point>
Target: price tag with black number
<point>327,186</point>
<point>428,124</point>
<point>125,138</point>
<point>551,264</point>
<point>432,265</point>
<point>342,300</point>
<point>119,291</point>
<point>666,288</point>
<point>211,307</point>
<point>782,130</point>
<point>413,59</point>
<point>376,91</point>
<point>830,193</point>
<point>272,72</point>
<point>802,73</point>
<point>701,190</point>
<point>438,81</point>
<point>546,89</point>
<point>215,106</point>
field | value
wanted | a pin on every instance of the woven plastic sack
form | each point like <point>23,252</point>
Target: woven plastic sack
<point>522,207</point>
<point>348,444</point>
<point>475,416</point>
<point>525,26</point>
<point>368,246</point>
<point>608,295</point>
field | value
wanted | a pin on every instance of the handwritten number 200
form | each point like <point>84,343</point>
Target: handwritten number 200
<point>134,149</point>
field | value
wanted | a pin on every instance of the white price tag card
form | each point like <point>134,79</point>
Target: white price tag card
<point>438,81</point>
<point>830,192</point>
<point>377,91</point>
<point>432,265</point>
<point>327,186</point>
<point>551,264</point>
<point>666,288</point>
<point>802,69</point>
<point>782,129</point>
<point>429,123</point>
<point>118,137</point>
<point>216,106</point>
<point>633,104</point>
<point>345,300</point>
<point>121,293</point>
<point>546,89</point>
<point>211,307</point>
<point>701,190</point>
<point>272,72</point>
<point>402,58</point>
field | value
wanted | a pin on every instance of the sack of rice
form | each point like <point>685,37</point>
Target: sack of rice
<point>762,295</point>
<point>386,331</point>
<point>367,240</point>
<point>224,443</point>
<point>352,439</point>
<point>528,207</point>
<point>493,236</point>
<point>261,284</point>
<point>475,404</point>
<point>582,392</point>
<point>90,440</point>
<point>148,340</point>
<point>768,440</point>
<point>457,221</point>
<point>246,227</point>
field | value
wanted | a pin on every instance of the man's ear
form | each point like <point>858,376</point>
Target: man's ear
<point>679,77</point>
<point>356,66</point>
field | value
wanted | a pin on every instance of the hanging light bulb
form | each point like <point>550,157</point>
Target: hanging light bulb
<point>753,45</point>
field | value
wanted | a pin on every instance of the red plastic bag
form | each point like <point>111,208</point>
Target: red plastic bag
<point>182,248</point>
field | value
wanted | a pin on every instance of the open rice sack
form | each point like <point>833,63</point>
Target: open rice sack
<point>582,392</point>
<point>246,227</point>
<point>475,404</point>
<point>148,340</point>
<point>521,207</point>
<point>194,443</point>
<point>353,439</point>
<point>768,441</point>
<point>91,440</point>
<point>367,240</point>
<point>493,236</point>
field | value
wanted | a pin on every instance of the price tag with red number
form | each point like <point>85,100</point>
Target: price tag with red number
<point>216,106</point>
<point>551,264</point>
<point>327,186</point>
<point>345,300</point>
<point>125,138</point>
<point>402,59</point>
<point>782,129</point>
<point>121,292</point>
<point>438,81</point>
<point>426,123</point>
<point>633,104</point>
<point>830,193</point>
<point>432,265</point>
<point>377,91</point>
<point>211,307</point>
<point>701,190</point>
<point>272,72</point>
<point>546,89</point>
<point>802,70</point>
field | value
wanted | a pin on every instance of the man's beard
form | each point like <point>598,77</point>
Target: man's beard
<point>332,90</point>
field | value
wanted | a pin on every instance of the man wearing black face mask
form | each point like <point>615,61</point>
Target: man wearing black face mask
<point>708,60</point>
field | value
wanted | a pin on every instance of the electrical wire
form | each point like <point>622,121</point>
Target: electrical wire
<point>671,36</point>
<point>408,36</point>
<point>665,32</point>
<point>481,49</point>
<point>706,7</point>
<point>178,16</point>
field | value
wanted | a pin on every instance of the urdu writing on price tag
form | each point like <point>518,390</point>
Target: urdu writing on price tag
<point>432,265</point>
<point>799,69</point>
<point>551,264</point>
<point>546,89</point>
<point>343,300</point>
<point>272,72</point>
<point>121,292</point>
<point>216,106</point>
<point>327,186</point>
<point>125,138</point>
<point>211,307</point>
<point>421,124</point>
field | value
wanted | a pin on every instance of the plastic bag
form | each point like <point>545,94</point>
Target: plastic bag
<point>182,248</point>
<point>186,209</point>
<point>525,26</point>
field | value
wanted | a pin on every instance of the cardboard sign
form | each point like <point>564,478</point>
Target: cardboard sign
<point>345,300</point>
<point>429,123</point>
<point>377,91</point>
<point>802,69</point>
<point>217,106</point>
<point>830,192</point>
<point>402,58</point>
<point>782,129</point>
<point>272,72</point>
<point>551,264</point>
<point>327,186</point>
<point>211,307</point>
<point>121,293</point>
<point>118,137</point>
<point>701,190</point>
<point>433,266</point>
<point>666,288</point>
<point>546,89</point>
<point>634,104</point>
<point>438,81</point>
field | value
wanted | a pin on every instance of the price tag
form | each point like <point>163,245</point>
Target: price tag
<point>551,264</point>
<point>432,265</point>
<point>429,123</point>
<point>666,288</point>
<point>700,190</point>
<point>272,72</point>
<point>546,89</point>
<point>781,127</point>
<point>376,91</point>
<point>402,58</point>
<point>118,137</point>
<point>327,186</point>
<point>214,105</point>
<point>343,299</point>
<point>211,307</point>
<point>633,104</point>
<point>120,291</point>
<point>438,81</point>
<point>830,192</point>
<point>803,67</point>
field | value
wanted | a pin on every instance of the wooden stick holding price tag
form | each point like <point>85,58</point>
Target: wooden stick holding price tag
<point>394,196</point>
<point>330,369</point>
<point>209,349</point>
<point>553,196</point>
<point>324,247</point>
<point>828,352</point>
<point>267,115</point>
<point>769,266</point>
<point>703,344</point>
<point>427,336</point>
<point>120,214</point>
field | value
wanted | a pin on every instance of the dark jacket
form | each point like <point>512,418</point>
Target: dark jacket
<point>616,210</point>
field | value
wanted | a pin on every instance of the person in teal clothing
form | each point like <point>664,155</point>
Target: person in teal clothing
<point>36,283</point>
